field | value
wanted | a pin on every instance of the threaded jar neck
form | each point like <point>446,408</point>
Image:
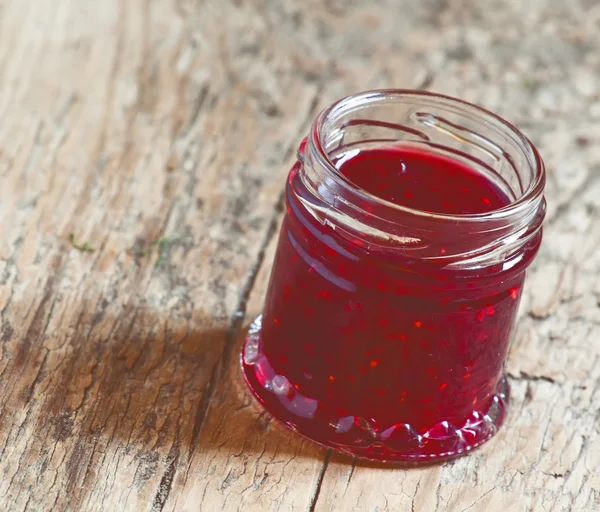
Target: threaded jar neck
<point>435,123</point>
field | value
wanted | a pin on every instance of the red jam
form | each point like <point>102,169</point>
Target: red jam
<point>423,181</point>
<point>375,352</point>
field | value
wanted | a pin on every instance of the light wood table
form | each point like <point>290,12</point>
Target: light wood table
<point>161,132</point>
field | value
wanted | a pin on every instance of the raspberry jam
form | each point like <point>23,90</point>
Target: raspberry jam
<point>395,287</point>
<point>421,180</point>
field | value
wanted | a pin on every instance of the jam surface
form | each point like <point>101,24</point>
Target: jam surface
<point>373,352</point>
<point>423,181</point>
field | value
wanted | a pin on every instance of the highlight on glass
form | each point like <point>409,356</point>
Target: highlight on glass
<point>410,221</point>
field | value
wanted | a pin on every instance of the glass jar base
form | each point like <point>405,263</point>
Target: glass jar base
<point>359,436</point>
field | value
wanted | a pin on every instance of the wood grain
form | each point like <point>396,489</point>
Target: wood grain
<point>174,122</point>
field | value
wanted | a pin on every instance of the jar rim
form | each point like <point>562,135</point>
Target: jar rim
<point>532,194</point>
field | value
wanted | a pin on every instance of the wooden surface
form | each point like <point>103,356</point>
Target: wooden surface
<point>169,126</point>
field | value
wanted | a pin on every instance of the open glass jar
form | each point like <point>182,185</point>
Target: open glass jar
<point>386,328</point>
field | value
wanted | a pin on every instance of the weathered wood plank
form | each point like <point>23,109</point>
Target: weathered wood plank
<point>175,121</point>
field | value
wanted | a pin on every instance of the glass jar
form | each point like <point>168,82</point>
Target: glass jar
<point>385,328</point>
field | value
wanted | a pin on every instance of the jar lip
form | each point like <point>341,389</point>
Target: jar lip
<point>532,194</point>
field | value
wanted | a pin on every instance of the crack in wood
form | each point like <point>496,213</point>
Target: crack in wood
<point>196,109</point>
<point>166,482</point>
<point>524,376</point>
<point>350,473</point>
<point>320,477</point>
